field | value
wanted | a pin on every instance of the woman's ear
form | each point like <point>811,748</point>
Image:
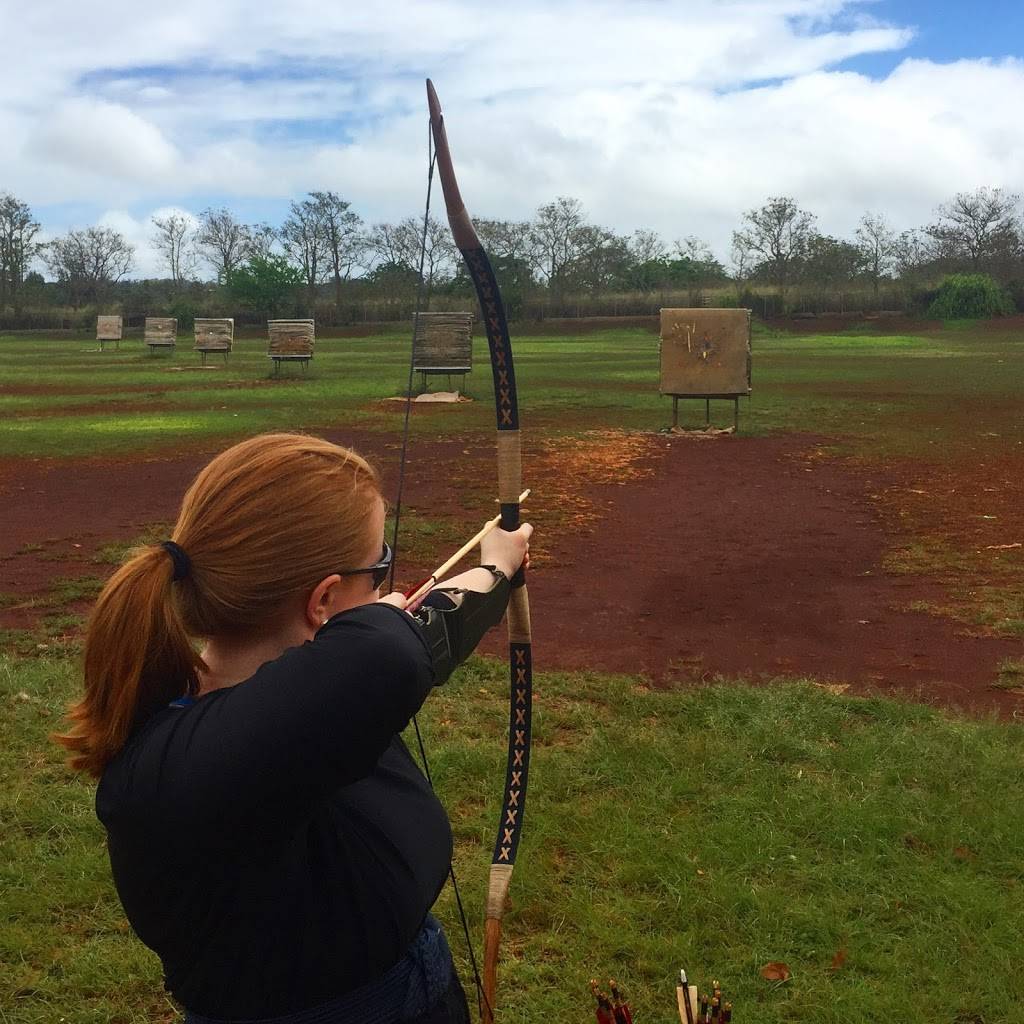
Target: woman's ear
<point>322,601</point>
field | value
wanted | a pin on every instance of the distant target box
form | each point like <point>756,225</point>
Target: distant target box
<point>291,339</point>
<point>705,353</point>
<point>108,328</point>
<point>161,331</point>
<point>214,334</point>
<point>443,343</point>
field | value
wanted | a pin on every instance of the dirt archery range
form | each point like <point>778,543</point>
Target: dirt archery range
<point>861,532</point>
<point>766,692</point>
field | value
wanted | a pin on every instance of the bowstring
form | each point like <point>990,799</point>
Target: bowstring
<point>412,359</point>
<point>420,288</point>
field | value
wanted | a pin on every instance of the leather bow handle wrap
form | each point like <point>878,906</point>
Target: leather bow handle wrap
<point>510,475</point>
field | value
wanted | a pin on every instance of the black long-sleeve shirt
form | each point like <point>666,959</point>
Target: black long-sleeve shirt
<point>274,842</point>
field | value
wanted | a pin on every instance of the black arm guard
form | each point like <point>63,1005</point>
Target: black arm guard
<point>454,622</point>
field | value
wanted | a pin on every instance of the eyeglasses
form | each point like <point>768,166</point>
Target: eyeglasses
<point>380,570</point>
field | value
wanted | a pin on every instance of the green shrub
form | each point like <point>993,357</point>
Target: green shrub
<point>969,297</point>
<point>265,285</point>
<point>186,313</point>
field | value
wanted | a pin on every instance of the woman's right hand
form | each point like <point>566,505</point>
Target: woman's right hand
<point>507,551</point>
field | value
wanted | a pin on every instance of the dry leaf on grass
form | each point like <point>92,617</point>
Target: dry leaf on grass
<point>838,960</point>
<point>776,971</point>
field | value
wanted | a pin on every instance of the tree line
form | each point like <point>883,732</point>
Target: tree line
<point>324,260</point>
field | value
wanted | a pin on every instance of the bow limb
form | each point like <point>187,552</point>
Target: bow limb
<point>509,486</point>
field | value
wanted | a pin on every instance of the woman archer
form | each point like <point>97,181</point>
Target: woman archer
<point>270,836</point>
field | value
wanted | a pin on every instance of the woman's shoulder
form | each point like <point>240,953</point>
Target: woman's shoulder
<point>379,628</point>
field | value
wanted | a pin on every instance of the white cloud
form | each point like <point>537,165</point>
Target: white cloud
<point>675,117</point>
<point>104,140</point>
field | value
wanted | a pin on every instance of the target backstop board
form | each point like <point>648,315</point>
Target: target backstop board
<point>108,328</point>
<point>705,353</point>
<point>443,343</point>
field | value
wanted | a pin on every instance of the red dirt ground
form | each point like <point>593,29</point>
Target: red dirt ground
<point>681,559</point>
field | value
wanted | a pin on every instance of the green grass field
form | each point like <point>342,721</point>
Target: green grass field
<point>932,396</point>
<point>875,847</point>
<point>718,829</point>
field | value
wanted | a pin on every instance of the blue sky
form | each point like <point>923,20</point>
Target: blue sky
<point>949,31</point>
<point>670,116</point>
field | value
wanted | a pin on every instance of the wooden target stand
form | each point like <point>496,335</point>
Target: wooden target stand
<point>443,346</point>
<point>707,408</point>
<point>109,328</point>
<point>441,371</point>
<point>213,335</point>
<point>160,334</point>
<point>705,355</point>
<point>290,341</point>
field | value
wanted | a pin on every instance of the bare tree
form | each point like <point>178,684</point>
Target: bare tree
<point>970,224</point>
<point>743,263</point>
<point>645,246</point>
<point>778,234</point>
<point>261,242</point>
<point>911,252</point>
<point>89,261</point>
<point>304,237</point>
<point>1005,260</point>
<point>223,241</point>
<point>558,237</point>
<point>912,255</point>
<point>400,246</point>
<point>876,242</point>
<point>397,245</point>
<point>693,248</point>
<point>341,227</point>
<point>510,240</point>
<point>701,259</point>
<point>829,265</point>
<point>439,255</point>
<point>18,247</point>
<point>601,258</point>
<point>174,240</point>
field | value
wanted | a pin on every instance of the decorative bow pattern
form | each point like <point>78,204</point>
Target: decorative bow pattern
<point>510,825</point>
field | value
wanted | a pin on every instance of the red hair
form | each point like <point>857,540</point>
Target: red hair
<point>265,521</point>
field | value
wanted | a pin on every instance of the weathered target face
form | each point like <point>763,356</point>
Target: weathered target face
<point>443,342</point>
<point>215,334</point>
<point>294,338</point>
<point>161,330</point>
<point>108,328</point>
<point>705,352</point>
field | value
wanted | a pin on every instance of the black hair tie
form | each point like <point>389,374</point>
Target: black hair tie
<point>182,563</point>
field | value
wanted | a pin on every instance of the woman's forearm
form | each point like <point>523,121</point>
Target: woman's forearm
<point>455,617</point>
<point>479,580</point>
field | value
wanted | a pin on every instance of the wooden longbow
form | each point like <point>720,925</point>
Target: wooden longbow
<point>510,474</point>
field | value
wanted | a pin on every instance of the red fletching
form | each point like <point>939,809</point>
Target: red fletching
<point>412,590</point>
